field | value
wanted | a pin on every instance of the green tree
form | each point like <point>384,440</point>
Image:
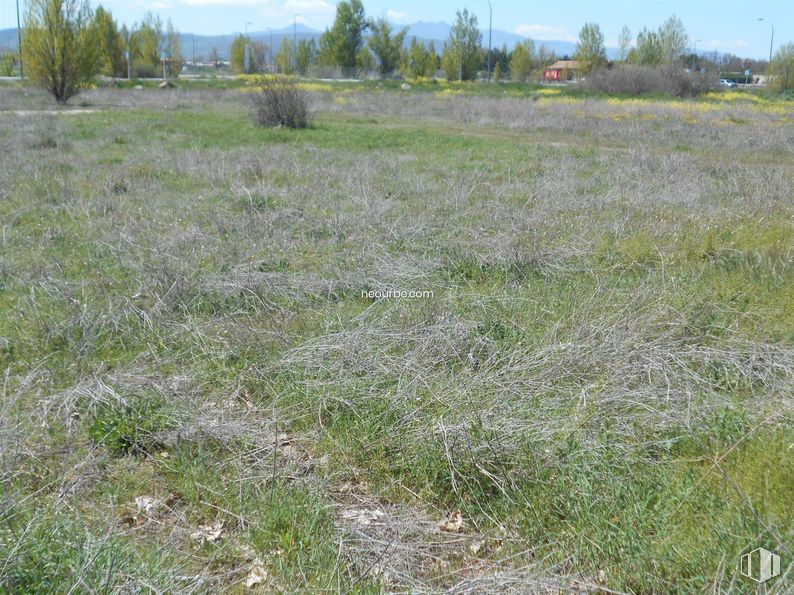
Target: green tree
<point>590,50</point>
<point>146,40</point>
<point>649,49</point>
<point>673,40</point>
<point>285,58</point>
<point>522,60</point>
<point>258,56</point>
<point>386,46</point>
<point>237,53</point>
<point>545,56</point>
<point>306,55</point>
<point>126,39</point>
<point>340,45</point>
<point>624,41</point>
<point>365,59</point>
<point>497,72</point>
<point>433,61</point>
<point>782,68</point>
<point>111,44</point>
<point>461,54</point>
<point>60,46</point>
<point>415,59</point>
<point>500,56</point>
<point>173,49</point>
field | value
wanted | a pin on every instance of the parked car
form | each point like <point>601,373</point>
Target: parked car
<point>726,83</point>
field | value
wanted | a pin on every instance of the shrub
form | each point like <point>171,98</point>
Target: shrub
<point>782,68</point>
<point>8,64</point>
<point>279,101</point>
<point>630,79</point>
<point>60,46</point>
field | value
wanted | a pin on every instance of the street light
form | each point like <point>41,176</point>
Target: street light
<point>490,28</point>
<point>247,51</point>
<point>771,39</point>
<point>460,66</point>
<point>19,43</point>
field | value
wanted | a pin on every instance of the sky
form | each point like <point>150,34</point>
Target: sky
<point>722,25</point>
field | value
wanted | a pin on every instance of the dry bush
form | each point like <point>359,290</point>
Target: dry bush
<point>638,80</point>
<point>279,101</point>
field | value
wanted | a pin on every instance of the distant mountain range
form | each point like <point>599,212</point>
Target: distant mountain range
<point>437,32</point>
<point>8,39</point>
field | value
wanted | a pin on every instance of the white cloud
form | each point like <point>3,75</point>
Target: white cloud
<point>314,13</point>
<point>396,16</point>
<point>153,5</point>
<point>219,2</point>
<point>271,8</point>
<point>309,10</point>
<point>545,32</point>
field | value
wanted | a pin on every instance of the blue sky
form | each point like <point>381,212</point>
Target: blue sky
<point>723,25</point>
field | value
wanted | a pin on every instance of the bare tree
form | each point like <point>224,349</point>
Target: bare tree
<point>624,41</point>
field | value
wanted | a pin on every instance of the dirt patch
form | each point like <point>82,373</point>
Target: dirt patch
<point>48,112</point>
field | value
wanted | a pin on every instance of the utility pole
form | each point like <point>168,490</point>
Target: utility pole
<point>270,62</point>
<point>771,39</point>
<point>695,55</point>
<point>490,29</point>
<point>460,63</point>
<point>295,43</point>
<point>19,44</point>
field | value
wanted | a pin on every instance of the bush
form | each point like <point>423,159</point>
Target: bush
<point>8,64</point>
<point>279,101</point>
<point>638,80</point>
<point>145,70</point>
<point>782,68</point>
<point>60,46</point>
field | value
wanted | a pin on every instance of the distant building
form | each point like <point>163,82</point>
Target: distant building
<point>561,70</point>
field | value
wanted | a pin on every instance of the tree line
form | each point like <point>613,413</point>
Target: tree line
<point>66,44</point>
<point>665,46</point>
<point>357,42</point>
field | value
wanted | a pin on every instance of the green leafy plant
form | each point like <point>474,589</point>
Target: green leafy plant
<point>131,428</point>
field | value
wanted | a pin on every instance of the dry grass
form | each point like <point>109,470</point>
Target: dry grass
<point>610,333</point>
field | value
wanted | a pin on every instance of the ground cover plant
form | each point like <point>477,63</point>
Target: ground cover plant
<point>198,395</point>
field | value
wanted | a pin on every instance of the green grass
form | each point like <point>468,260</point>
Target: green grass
<point>130,428</point>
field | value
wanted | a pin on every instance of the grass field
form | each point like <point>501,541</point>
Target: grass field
<point>198,395</point>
